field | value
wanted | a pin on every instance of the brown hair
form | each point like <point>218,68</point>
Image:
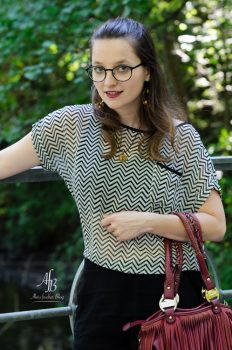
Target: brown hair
<point>159,112</point>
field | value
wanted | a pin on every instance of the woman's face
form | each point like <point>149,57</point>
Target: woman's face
<point>123,97</point>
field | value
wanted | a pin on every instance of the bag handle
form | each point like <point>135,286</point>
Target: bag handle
<point>196,229</point>
<point>197,244</point>
<point>170,298</point>
<point>172,273</point>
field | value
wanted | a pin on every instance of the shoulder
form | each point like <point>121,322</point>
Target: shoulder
<point>180,124</point>
<point>71,114</point>
<point>185,129</point>
<point>76,110</point>
<point>187,138</point>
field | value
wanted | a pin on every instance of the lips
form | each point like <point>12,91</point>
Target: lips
<point>113,94</point>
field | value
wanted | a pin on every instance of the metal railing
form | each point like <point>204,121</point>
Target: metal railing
<point>38,174</point>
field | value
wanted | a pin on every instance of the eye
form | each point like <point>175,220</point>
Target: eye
<point>122,68</point>
<point>98,69</point>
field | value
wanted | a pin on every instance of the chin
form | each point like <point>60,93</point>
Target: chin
<point>114,105</point>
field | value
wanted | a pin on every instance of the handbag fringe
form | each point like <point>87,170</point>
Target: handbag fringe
<point>203,331</point>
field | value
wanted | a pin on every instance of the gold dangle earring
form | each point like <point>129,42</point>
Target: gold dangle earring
<point>100,104</point>
<point>145,97</point>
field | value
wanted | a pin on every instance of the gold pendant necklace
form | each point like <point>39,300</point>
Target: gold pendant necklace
<point>123,156</point>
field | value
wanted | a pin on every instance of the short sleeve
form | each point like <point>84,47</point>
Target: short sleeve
<point>199,175</point>
<point>55,139</point>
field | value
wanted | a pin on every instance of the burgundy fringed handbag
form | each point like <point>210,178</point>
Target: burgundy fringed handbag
<point>206,327</point>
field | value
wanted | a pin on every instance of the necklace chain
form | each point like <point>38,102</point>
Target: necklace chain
<point>123,157</point>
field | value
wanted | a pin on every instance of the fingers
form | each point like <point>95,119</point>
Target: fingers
<point>111,229</point>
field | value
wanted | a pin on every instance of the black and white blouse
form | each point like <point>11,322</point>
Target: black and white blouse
<point>69,142</point>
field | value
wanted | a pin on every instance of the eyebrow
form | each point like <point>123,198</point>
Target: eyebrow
<point>116,63</point>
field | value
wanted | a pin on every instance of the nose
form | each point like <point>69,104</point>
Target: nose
<point>110,79</point>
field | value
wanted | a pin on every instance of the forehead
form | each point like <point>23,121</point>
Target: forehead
<point>110,51</point>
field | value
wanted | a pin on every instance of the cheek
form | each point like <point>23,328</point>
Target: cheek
<point>135,88</point>
<point>99,88</point>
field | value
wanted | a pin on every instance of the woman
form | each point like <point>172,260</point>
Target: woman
<point>129,159</point>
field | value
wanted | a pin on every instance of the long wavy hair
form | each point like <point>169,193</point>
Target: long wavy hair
<point>159,112</point>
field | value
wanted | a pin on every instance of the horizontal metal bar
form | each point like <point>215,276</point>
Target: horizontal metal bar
<point>38,174</point>
<point>222,162</point>
<point>227,293</point>
<point>60,311</point>
<point>37,314</point>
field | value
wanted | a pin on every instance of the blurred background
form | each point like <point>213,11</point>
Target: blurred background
<point>44,48</point>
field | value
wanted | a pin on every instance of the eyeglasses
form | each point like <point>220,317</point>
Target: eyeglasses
<point>120,73</point>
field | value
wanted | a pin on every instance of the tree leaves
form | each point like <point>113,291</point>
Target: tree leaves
<point>44,51</point>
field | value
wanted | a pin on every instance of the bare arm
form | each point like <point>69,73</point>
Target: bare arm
<point>211,216</point>
<point>18,157</point>
<point>126,225</point>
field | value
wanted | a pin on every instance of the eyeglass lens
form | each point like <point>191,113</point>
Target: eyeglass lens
<point>121,73</point>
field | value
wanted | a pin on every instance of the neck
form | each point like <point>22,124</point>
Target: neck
<point>131,120</point>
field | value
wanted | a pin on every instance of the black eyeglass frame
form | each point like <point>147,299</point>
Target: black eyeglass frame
<point>112,70</point>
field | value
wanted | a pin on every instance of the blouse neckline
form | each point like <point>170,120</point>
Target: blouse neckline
<point>134,129</point>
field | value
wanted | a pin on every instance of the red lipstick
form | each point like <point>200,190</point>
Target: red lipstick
<point>113,94</point>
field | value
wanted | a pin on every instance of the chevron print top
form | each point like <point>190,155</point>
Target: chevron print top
<point>69,142</point>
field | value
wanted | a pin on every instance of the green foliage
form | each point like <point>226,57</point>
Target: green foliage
<point>222,251</point>
<point>30,220</point>
<point>44,50</point>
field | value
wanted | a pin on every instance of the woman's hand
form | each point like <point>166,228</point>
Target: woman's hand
<point>125,225</point>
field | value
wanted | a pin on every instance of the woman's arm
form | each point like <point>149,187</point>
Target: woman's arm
<point>18,157</point>
<point>125,225</point>
<point>211,216</point>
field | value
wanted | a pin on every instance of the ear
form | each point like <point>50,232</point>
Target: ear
<point>147,74</point>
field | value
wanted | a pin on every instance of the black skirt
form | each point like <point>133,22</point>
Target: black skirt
<point>108,299</point>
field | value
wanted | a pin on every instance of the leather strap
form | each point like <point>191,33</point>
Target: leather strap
<point>169,284</point>
<point>197,245</point>
<point>196,228</point>
<point>179,263</point>
<point>172,273</point>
